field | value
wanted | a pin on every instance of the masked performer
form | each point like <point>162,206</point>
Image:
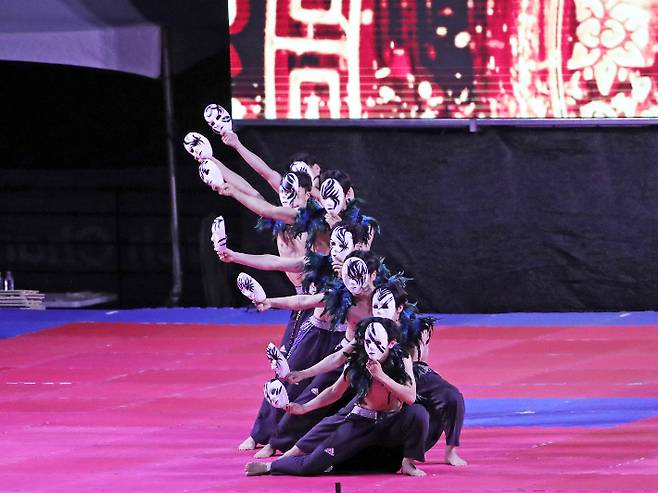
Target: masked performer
<point>385,415</point>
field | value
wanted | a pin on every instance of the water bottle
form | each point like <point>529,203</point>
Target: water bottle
<point>8,282</point>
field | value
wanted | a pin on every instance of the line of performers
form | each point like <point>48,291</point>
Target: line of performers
<point>353,390</point>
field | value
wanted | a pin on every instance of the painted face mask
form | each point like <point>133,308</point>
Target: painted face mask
<point>210,174</point>
<point>250,287</point>
<point>198,146</point>
<point>333,196</point>
<point>218,235</point>
<point>302,167</point>
<point>375,341</point>
<point>218,118</point>
<point>383,304</point>
<point>278,362</point>
<point>275,393</point>
<point>289,189</point>
<point>355,275</point>
<point>341,244</point>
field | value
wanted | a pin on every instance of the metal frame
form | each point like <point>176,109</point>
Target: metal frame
<point>473,124</point>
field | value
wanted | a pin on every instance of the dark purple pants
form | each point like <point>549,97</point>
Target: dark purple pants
<point>443,401</point>
<point>405,429</point>
<point>311,345</point>
<point>292,427</point>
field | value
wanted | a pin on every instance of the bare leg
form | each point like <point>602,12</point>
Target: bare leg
<point>410,469</point>
<point>257,468</point>
<point>293,452</point>
<point>266,451</point>
<point>452,458</point>
<point>248,444</point>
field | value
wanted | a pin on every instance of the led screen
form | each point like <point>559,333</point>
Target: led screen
<point>443,59</point>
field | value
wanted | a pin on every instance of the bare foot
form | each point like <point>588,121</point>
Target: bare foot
<point>453,458</point>
<point>410,469</point>
<point>293,452</point>
<point>248,444</point>
<point>257,468</point>
<point>266,451</point>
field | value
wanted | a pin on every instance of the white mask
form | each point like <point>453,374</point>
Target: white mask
<point>383,304</point>
<point>333,196</point>
<point>218,235</point>
<point>278,362</point>
<point>210,174</point>
<point>250,287</point>
<point>355,275</point>
<point>301,167</point>
<point>218,118</point>
<point>289,189</point>
<point>341,244</point>
<point>375,341</point>
<point>276,394</point>
<point>198,146</point>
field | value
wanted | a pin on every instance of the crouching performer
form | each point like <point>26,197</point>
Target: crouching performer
<point>384,414</point>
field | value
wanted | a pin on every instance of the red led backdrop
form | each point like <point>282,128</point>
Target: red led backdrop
<point>444,59</point>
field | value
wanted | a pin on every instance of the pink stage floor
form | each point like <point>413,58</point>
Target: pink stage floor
<point>136,407</point>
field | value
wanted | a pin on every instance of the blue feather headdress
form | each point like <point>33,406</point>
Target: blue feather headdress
<point>310,220</point>
<point>318,272</point>
<point>267,224</point>
<point>352,214</point>
<point>337,301</point>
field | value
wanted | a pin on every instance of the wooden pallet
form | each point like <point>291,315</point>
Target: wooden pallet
<point>21,298</point>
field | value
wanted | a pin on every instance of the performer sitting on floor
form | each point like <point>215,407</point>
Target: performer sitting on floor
<point>385,415</point>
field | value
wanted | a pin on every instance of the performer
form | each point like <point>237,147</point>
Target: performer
<point>385,415</point>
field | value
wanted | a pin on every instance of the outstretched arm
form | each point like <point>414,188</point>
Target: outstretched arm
<point>258,205</point>
<point>264,262</point>
<point>326,397</point>
<point>272,177</point>
<point>331,362</point>
<point>295,302</point>
<point>235,179</point>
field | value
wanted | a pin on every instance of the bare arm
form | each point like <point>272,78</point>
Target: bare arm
<point>258,205</point>
<point>235,179</point>
<point>407,392</point>
<point>272,177</point>
<point>297,302</point>
<point>331,362</point>
<point>326,397</point>
<point>264,262</point>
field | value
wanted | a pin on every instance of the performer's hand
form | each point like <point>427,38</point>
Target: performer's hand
<point>225,255</point>
<point>294,408</point>
<point>229,137</point>
<point>375,369</point>
<point>332,219</point>
<point>261,307</point>
<point>294,377</point>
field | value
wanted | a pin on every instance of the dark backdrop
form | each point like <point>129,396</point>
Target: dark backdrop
<point>503,220</point>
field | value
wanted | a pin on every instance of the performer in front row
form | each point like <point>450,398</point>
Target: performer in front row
<point>385,415</point>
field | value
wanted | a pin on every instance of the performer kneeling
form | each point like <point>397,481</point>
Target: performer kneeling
<point>385,414</point>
